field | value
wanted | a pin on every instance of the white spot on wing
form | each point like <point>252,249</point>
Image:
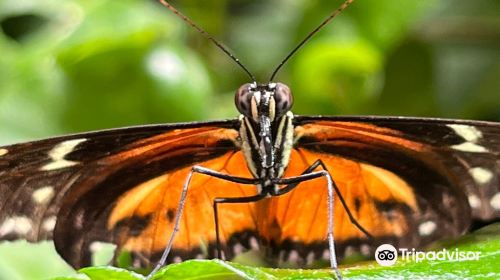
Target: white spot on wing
<point>427,228</point>
<point>58,153</point>
<point>481,175</point>
<point>365,249</point>
<point>349,251</point>
<point>470,147</point>
<point>495,201</point>
<point>18,225</point>
<point>43,195</point>
<point>237,248</point>
<point>177,259</point>
<point>253,243</point>
<point>474,201</point>
<point>49,223</point>
<point>293,257</point>
<point>326,254</point>
<point>469,133</point>
<point>3,152</point>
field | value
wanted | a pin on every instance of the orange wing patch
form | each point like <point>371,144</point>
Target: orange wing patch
<point>398,188</point>
<point>325,131</point>
<point>157,201</point>
<point>301,215</point>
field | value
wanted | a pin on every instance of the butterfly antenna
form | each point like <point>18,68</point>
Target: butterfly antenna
<point>208,36</point>
<point>325,22</point>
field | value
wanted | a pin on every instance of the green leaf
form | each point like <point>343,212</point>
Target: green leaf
<point>485,241</point>
<point>108,272</point>
<point>210,269</point>
<point>76,277</point>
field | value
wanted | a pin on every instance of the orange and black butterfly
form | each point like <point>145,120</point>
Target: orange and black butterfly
<point>300,187</point>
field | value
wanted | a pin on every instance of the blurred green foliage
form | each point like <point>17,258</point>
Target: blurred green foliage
<point>68,66</point>
<point>78,65</point>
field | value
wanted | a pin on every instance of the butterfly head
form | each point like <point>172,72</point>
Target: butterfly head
<point>266,131</point>
<point>272,100</point>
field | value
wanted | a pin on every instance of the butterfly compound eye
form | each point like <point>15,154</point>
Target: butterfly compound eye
<point>283,99</point>
<point>243,99</point>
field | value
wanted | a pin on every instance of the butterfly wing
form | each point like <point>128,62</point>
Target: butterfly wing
<point>407,181</point>
<point>399,177</point>
<point>33,175</point>
<point>122,186</point>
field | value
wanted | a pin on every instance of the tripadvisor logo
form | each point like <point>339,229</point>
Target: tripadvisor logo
<point>387,255</point>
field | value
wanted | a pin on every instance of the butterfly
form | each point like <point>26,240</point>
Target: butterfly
<point>404,181</point>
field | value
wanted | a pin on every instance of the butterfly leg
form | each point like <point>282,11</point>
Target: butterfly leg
<point>310,169</point>
<point>220,200</point>
<point>182,202</point>
<point>310,176</point>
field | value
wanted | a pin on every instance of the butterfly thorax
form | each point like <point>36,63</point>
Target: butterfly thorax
<point>266,130</point>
